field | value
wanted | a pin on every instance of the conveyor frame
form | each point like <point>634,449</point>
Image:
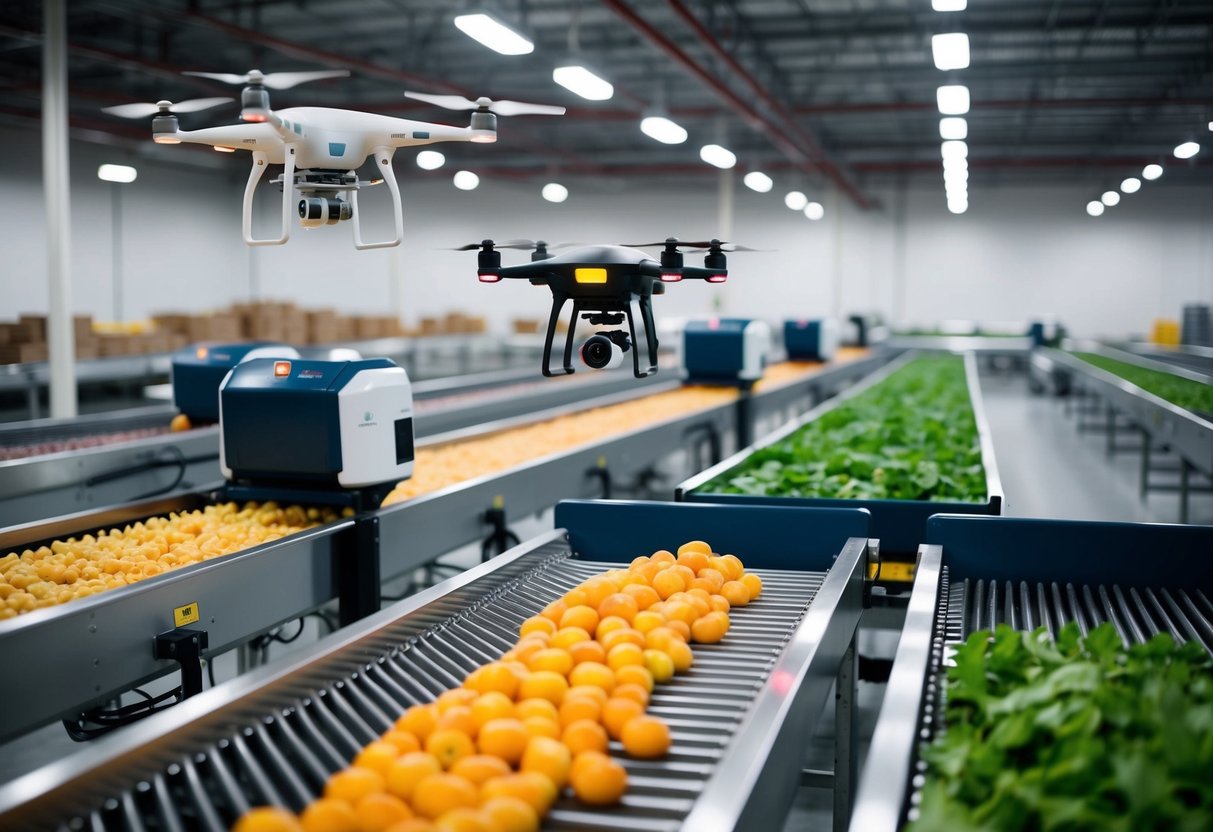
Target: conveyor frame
<point>899,524</point>
<point>1001,550</point>
<point>345,677</point>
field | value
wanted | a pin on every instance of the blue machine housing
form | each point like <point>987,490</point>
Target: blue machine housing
<point>260,445</point>
<point>810,340</point>
<point>199,369</point>
<point>725,350</point>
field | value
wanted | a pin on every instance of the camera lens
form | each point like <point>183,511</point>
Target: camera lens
<point>601,353</point>
<point>597,352</point>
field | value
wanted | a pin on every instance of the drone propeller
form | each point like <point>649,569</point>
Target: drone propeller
<point>273,80</point>
<point>487,105</point>
<point>518,244</point>
<point>695,245</point>
<point>163,107</point>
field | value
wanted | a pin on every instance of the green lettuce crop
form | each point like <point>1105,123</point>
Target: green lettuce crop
<point>1188,394</point>
<point>910,437</point>
<point>1073,734</point>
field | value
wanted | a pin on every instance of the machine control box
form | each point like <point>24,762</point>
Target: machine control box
<point>199,369</point>
<point>811,340</point>
<point>725,350</point>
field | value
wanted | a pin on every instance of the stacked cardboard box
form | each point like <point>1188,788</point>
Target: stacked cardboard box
<point>26,340</point>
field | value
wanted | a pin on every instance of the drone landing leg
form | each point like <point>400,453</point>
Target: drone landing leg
<point>568,341</point>
<point>650,330</point>
<point>383,158</point>
<point>288,197</point>
<point>558,302</point>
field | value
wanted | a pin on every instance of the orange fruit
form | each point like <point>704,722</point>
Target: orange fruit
<point>455,698</point>
<point>593,673</point>
<point>596,590</point>
<point>413,824</point>
<point>736,567</point>
<point>624,636</point>
<point>682,656</point>
<point>377,756</point>
<point>524,649</point>
<point>662,556</point>
<point>585,759</point>
<point>694,546</point>
<point>659,664</point>
<point>459,718</point>
<point>703,584</point>
<point>536,707</point>
<point>354,783</point>
<point>680,628</point>
<point>541,726</point>
<point>576,708</point>
<point>495,677</point>
<point>544,684</point>
<point>685,572</point>
<point>720,603</point>
<point>575,597</point>
<point>463,819</point>
<point>646,737</point>
<point>583,616</point>
<point>646,620</point>
<point>711,628</point>
<point>593,692</point>
<point>554,610</point>
<point>692,559</point>
<point>638,560</point>
<point>437,794</point>
<point>617,712</point>
<point>551,658</point>
<point>659,638</point>
<point>329,815</point>
<point>404,774</point>
<point>608,625</point>
<point>447,745</point>
<point>587,651</point>
<point>620,604</point>
<point>712,576</point>
<point>404,741</point>
<point>635,675</point>
<point>550,758</point>
<point>491,705</point>
<point>510,814</point>
<point>632,690</point>
<point>753,583</point>
<point>268,819</point>
<point>643,594</point>
<point>584,735</point>
<point>736,593</point>
<point>624,654</point>
<point>534,788</point>
<point>680,611</point>
<point>537,624</point>
<point>646,571</point>
<point>667,582</point>
<point>566,637</point>
<point>478,769</point>
<point>419,720</point>
<point>599,781</point>
<point>376,812</point>
<point>504,738</point>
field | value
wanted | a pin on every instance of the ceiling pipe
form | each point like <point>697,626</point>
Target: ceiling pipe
<point>830,168</point>
<point>760,123</point>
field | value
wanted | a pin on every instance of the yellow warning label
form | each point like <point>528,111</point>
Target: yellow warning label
<point>185,615</point>
<point>892,571</point>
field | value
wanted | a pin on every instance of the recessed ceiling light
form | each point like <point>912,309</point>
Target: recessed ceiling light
<point>430,160</point>
<point>814,211</point>
<point>494,34</point>
<point>465,180</point>
<point>953,99</point>
<point>555,192</point>
<point>718,156</point>
<point>1131,185</point>
<point>1110,199</point>
<point>1186,150</point>
<point>950,51</point>
<point>117,173</point>
<point>953,127</point>
<point>663,130</point>
<point>758,181</point>
<point>1095,208</point>
<point>583,81</point>
<point>796,200</point>
<point>1151,172</point>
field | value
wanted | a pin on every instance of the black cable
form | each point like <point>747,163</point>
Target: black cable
<point>103,721</point>
<point>277,634</point>
<point>210,671</point>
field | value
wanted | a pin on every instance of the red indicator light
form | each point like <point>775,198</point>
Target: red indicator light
<point>255,117</point>
<point>489,277</point>
<point>718,278</point>
<point>714,323</point>
<point>282,369</point>
<point>671,277</point>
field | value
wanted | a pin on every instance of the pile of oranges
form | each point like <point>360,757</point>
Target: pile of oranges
<point>494,754</point>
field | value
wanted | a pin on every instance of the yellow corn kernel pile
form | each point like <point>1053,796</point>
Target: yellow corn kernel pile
<point>79,567</point>
<point>446,465</point>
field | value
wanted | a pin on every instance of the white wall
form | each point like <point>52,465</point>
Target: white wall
<point>1019,252</point>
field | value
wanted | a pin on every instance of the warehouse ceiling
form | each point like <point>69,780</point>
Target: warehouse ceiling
<point>842,91</point>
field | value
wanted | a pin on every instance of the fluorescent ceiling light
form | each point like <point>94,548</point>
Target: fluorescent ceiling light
<point>949,5</point>
<point>953,99</point>
<point>555,192</point>
<point>465,180</point>
<point>494,34</point>
<point>796,200</point>
<point>578,79</point>
<point>953,127</point>
<point>117,173</point>
<point>955,163</point>
<point>1186,150</point>
<point>954,150</point>
<point>814,211</point>
<point>430,160</point>
<point>1095,208</point>
<point>956,187</point>
<point>1151,172</point>
<point>1110,199</point>
<point>663,130</point>
<point>756,180</point>
<point>1131,185</point>
<point>958,207</point>
<point>950,51</point>
<point>956,175</point>
<point>718,156</point>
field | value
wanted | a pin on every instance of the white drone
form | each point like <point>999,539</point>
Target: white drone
<point>320,147</point>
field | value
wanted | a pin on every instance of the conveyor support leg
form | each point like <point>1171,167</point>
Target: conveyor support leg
<point>846,762</point>
<point>1145,464</point>
<point>500,538</point>
<point>1184,472</point>
<point>357,570</point>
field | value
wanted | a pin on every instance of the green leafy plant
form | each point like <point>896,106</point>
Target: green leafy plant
<point>1188,394</point>
<point>910,437</point>
<point>1072,734</point>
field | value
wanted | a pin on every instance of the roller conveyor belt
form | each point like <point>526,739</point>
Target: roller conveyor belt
<point>980,573</point>
<point>276,738</point>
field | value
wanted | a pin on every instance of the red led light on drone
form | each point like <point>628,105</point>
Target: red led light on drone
<point>670,277</point>
<point>718,278</point>
<point>253,116</point>
<point>488,277</point>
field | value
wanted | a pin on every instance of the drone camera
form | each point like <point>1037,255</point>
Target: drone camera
<point>605,350</point>
<point>316,211</point>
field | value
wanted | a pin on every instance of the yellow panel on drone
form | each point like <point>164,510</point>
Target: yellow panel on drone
<point>590,275</point>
